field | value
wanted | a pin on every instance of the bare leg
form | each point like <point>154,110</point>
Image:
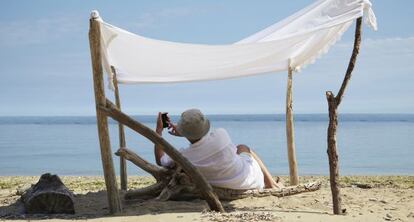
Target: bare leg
<point>268,180</point>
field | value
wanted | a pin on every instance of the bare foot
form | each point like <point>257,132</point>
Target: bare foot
<point>278,183</point>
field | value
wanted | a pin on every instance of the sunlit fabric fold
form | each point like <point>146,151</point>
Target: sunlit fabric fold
<point>297,40</point>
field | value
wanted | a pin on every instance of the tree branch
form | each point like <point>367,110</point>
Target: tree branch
<point>352,61</point>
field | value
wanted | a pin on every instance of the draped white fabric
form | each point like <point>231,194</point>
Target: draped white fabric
<point>297,40</point>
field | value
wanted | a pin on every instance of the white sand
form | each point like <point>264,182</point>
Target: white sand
<point>391,199</point>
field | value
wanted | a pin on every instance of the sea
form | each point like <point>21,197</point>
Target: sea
<point>368,144</point>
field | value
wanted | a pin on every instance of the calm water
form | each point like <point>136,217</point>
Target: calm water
<point>368,144</point>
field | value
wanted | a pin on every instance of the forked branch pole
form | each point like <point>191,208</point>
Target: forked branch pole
<point>205,188</point>
<point>333,103</point>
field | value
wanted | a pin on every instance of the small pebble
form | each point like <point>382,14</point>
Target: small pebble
<point>388,215</point>
<point>390,208</point>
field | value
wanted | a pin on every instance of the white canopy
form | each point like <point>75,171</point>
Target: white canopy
<point>298,40</point>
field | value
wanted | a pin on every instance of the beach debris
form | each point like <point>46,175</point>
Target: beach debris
<point>239,216</point>
<point>390,208</point>
<point>48,196</point>
<point>362,185</point>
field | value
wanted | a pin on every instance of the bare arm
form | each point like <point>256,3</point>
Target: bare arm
<point>158,152</point>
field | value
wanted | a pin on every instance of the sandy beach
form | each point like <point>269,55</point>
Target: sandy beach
<point>391,198</point>
<point>227,93</point>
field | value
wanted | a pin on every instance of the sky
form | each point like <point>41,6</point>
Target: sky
<point>45,66</point>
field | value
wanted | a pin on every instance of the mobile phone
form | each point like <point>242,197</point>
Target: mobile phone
<point>164,119</point>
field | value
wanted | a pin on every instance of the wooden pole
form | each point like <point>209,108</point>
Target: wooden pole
<point>333,103</point>
<point>101,119</point>
<point>121,131</point>
<point>199,180</point>
<point>290,136</point>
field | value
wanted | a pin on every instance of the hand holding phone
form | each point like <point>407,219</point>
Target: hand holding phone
<point>165,119</point>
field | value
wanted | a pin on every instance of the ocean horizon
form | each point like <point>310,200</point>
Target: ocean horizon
<point>91,119</point>
<point>368,144</point>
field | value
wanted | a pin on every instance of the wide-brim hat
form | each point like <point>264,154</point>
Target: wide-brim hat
<point>193,125</point>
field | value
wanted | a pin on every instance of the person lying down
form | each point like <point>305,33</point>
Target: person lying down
<point>221,162</point>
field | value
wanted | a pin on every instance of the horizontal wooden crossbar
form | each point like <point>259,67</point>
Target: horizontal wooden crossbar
<point>156,171</point>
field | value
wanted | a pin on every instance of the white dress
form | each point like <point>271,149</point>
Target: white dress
<point>216,158</point>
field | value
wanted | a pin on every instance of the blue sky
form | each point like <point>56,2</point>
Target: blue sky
<point>45,61</point>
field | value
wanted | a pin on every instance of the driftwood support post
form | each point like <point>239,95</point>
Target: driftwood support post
<point>290,136</point>
<point>197,178</point>
<point>333,103</point>
<point>121,131</point>
<point>101,119</point>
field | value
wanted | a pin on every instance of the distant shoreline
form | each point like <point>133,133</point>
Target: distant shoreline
<point>211,114</point>
<point>347,117</point>
<point>148,175</point>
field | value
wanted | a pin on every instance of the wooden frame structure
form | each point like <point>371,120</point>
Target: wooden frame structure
<point>105,109</point>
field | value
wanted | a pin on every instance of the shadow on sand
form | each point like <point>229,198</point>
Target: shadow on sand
<point>94,205</point>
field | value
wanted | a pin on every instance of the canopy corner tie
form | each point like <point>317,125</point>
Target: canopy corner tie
<point>95,14</point>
